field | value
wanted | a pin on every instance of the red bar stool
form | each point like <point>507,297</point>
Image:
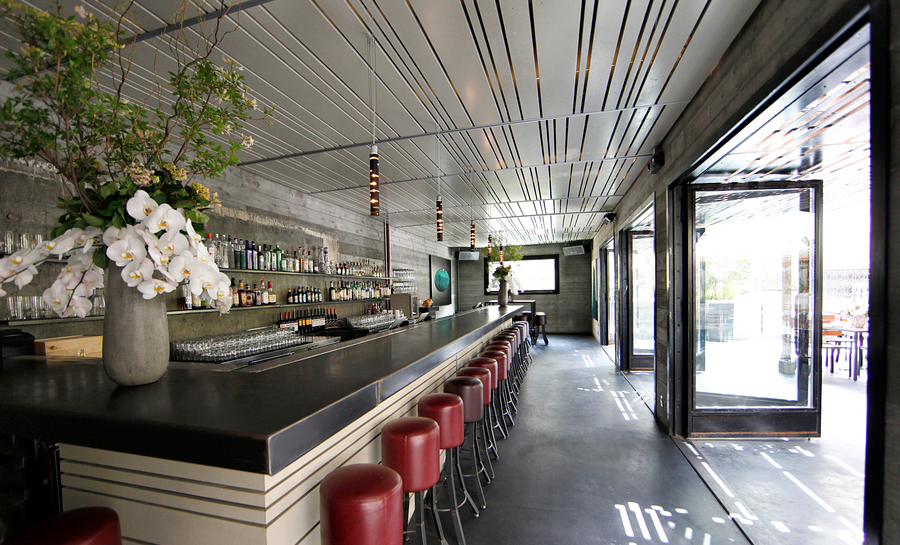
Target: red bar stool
<point>508,405</point>
<point>487,431</point>
<point>471,391</point>
<point>83,526</point>
<point>410,446</point>
<point>525,328</point>
<point>500,407</point>
<point>508,387</point>
<point>447,411</point>
<point>361,504</point>
<point>492,365</point>
<point>514,336</point>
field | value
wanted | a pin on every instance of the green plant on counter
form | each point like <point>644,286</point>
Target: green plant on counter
<point>510,253</point>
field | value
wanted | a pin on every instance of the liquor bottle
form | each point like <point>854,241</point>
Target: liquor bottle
<point>331,291</point>
<point>186,300</point>
<point>263,294</point>
<point>235,298</point>
<point>273,298</point>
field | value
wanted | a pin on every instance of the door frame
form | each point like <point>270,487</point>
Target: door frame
<point>751,422</point>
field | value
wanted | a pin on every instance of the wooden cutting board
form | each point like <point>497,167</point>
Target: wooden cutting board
<point>73,345</point>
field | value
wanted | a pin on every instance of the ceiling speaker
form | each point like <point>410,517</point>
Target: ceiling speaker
<point>469,256</point>
<point>574,250</point>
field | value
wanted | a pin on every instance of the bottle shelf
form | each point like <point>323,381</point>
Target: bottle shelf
<point>39,321</point>
<point>280,305</point>
<point>229,272</point>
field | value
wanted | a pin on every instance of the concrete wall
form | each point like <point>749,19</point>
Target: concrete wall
<point>569,311</point>
<point>252,208</point>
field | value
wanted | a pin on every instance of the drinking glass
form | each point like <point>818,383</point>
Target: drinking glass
<point>8,243</point>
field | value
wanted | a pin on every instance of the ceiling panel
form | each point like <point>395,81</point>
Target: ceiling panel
<point>463,70</point>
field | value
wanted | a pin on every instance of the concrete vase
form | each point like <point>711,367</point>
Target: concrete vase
<point>135,333</point>
<point>503,293</point>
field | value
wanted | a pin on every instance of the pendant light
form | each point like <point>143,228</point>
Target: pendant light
<point>490,248</point>
<point>472,228</point>
<point>439,206</point>
<point>374,192</point>
<point>501,254</point>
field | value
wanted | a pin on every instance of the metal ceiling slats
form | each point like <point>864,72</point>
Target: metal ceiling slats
<point>556,36</point>
<point>445,65</point>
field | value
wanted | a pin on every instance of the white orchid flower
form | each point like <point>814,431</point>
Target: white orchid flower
<point>164,218</point>
<point>137,271</point>
<point>173,243</point>
<point>126,250</point>
<point>203,255</point>
<point>78,306</point>
<point>141,206</point>
<point>58,246</point>
<point>7,271</point>
<point>187,267</point>
<point>86,238</point>
<point>56,297</point>
<point>24,258</point>
<point>154,286</point>
<point>2,292</point>
<point>113,234</point>
<point>193,236</point>
<point>70,274</point>
<point>92,280</point>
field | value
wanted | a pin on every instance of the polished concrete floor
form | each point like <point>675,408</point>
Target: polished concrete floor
<point>585,463</point>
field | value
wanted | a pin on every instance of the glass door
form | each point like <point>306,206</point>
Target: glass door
<point>641,300</point>
<point>756,292</point>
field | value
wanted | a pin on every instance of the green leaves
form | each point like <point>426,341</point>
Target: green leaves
<point>93,136</point>
<point>197,217</point>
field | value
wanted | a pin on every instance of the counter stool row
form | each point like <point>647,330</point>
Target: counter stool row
<point>363,504</point>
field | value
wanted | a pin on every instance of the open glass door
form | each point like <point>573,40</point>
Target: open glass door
<point>756,291</point>
<point>641,280</point>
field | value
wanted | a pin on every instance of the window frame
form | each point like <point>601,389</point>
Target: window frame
<point>555,290</point>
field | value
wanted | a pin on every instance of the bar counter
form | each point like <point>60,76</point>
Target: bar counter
<point>258,420</point>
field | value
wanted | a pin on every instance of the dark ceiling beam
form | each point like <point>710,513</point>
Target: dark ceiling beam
<point>486,171</point>
<point>235,7</point>
<point>454,131</point>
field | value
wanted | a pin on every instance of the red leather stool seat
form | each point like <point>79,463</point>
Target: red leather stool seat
<point>491,365</point>
<point>84,526</point>
<point>502,361</point>
<point>447,411</point>
<point>482,374</point>
<point>361,504</point>
<point>471,392</point>
<point>410,446</point>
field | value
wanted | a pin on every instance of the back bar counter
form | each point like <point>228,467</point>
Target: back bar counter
<point>207,456</point>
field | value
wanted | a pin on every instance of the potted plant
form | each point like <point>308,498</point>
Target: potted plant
<point>128,164</point>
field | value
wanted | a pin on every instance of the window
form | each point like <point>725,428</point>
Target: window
<point>533,274</point>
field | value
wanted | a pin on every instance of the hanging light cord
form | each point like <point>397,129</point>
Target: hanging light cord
<point>373,94</point>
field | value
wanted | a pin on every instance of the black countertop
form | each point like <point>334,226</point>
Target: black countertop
<point>249,421</point>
